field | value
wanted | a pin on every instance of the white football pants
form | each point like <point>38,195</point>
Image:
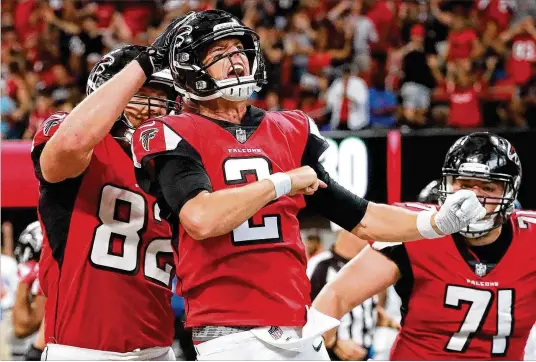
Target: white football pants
<point>273,343</point>
<point>60,352</point>
<point>246,346</point>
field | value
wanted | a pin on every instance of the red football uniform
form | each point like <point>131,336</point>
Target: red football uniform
<point>255,275</point>
<point>106,263</point>
<point>456,307</point>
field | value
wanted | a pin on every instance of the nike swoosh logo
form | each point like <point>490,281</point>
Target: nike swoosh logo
<point>317,348</point>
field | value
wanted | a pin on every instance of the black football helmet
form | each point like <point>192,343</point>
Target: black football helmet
<point>111,64</point>
<point>488,157</point>
<point>29,244</point>
<point>190,75</point>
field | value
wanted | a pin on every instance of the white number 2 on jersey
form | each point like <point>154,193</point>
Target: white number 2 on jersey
<point>235,171</point>
<point>480,303</point>
<point>127,228</point>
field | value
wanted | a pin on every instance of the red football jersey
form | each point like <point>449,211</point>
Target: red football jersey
<point>254,276</point>
<point>106,265</point>
<point>455,312</point>
<point>523,54</point>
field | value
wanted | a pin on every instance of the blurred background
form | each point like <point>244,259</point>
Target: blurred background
<point>391,83</point>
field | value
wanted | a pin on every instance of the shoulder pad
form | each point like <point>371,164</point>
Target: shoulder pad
<point>48,128</point>
<point>153,137</point>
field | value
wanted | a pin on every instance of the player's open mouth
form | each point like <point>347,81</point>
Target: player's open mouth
<point>236,70</point>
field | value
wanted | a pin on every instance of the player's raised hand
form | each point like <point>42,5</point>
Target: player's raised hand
<point>156,57</point>
<point>304,181</point>
<point>459,210</point>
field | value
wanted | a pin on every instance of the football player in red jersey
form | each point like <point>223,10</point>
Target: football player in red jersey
<point>29,307</point>
<point>466,296</point>
<point>235,177</point>
<point>106,264</point>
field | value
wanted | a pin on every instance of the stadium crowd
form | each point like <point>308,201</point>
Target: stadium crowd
<point>348,64</point>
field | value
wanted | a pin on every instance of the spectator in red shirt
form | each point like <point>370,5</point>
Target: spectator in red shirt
<point>324,55</point>
<point>137,16</point>
<point>43,109</point>
<point>464,92</point>
<point>462,41</point>
<point>383,19</point>
<point>522,39</point>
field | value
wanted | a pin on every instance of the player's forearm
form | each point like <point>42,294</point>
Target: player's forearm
<point>390,223</point>
<point>40,339</point>
<point>25,322</point>
<point>89,122</point>
<point>212,214</point>
<point>364,276</point>
<point>93,118</point>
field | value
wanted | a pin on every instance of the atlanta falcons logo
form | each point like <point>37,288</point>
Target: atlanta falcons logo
<point>146,136</point>
<point>48,126</point>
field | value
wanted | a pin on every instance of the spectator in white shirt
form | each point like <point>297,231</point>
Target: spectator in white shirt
<point>348,100</point>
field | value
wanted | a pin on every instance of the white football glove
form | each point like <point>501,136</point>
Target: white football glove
<point>458,211</point>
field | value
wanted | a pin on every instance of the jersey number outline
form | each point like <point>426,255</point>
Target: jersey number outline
<point>269,231</point>
<point>524,217</point>
<point>480,302</point>
<point>128,229</point>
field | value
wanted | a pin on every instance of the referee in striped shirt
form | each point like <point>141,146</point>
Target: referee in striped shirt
<point>355,335</point>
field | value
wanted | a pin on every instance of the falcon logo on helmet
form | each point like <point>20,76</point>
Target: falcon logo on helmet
<point>488,157</point>
<point>111,64</point>
<point>146,136</point>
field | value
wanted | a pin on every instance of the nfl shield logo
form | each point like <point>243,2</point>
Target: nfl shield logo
<point>241,135</point>
<point>275,332</point>
<point>481,269</point>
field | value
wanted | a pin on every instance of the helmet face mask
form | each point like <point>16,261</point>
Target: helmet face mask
<point>190,75</point>
<point>111,64</point>
<point>489,158</point>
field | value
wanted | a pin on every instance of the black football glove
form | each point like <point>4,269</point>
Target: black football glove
<point>155,58</point>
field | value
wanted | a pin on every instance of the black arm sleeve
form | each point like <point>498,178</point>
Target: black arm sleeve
<point>334,202</point>
<point>179,176</point>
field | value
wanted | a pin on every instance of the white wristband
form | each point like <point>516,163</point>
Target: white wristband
<point>282,183</point>
<point>424,225</point>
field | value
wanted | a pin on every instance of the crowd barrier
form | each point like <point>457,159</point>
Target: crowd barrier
<point>381,165</point>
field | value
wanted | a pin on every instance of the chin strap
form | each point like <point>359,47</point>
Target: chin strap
<point>123,129</point>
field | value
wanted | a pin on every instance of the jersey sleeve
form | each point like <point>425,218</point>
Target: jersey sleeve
<point>397,253</point>
<point>335,202</point>
<point>166,165</point>
<point>47,129</point>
